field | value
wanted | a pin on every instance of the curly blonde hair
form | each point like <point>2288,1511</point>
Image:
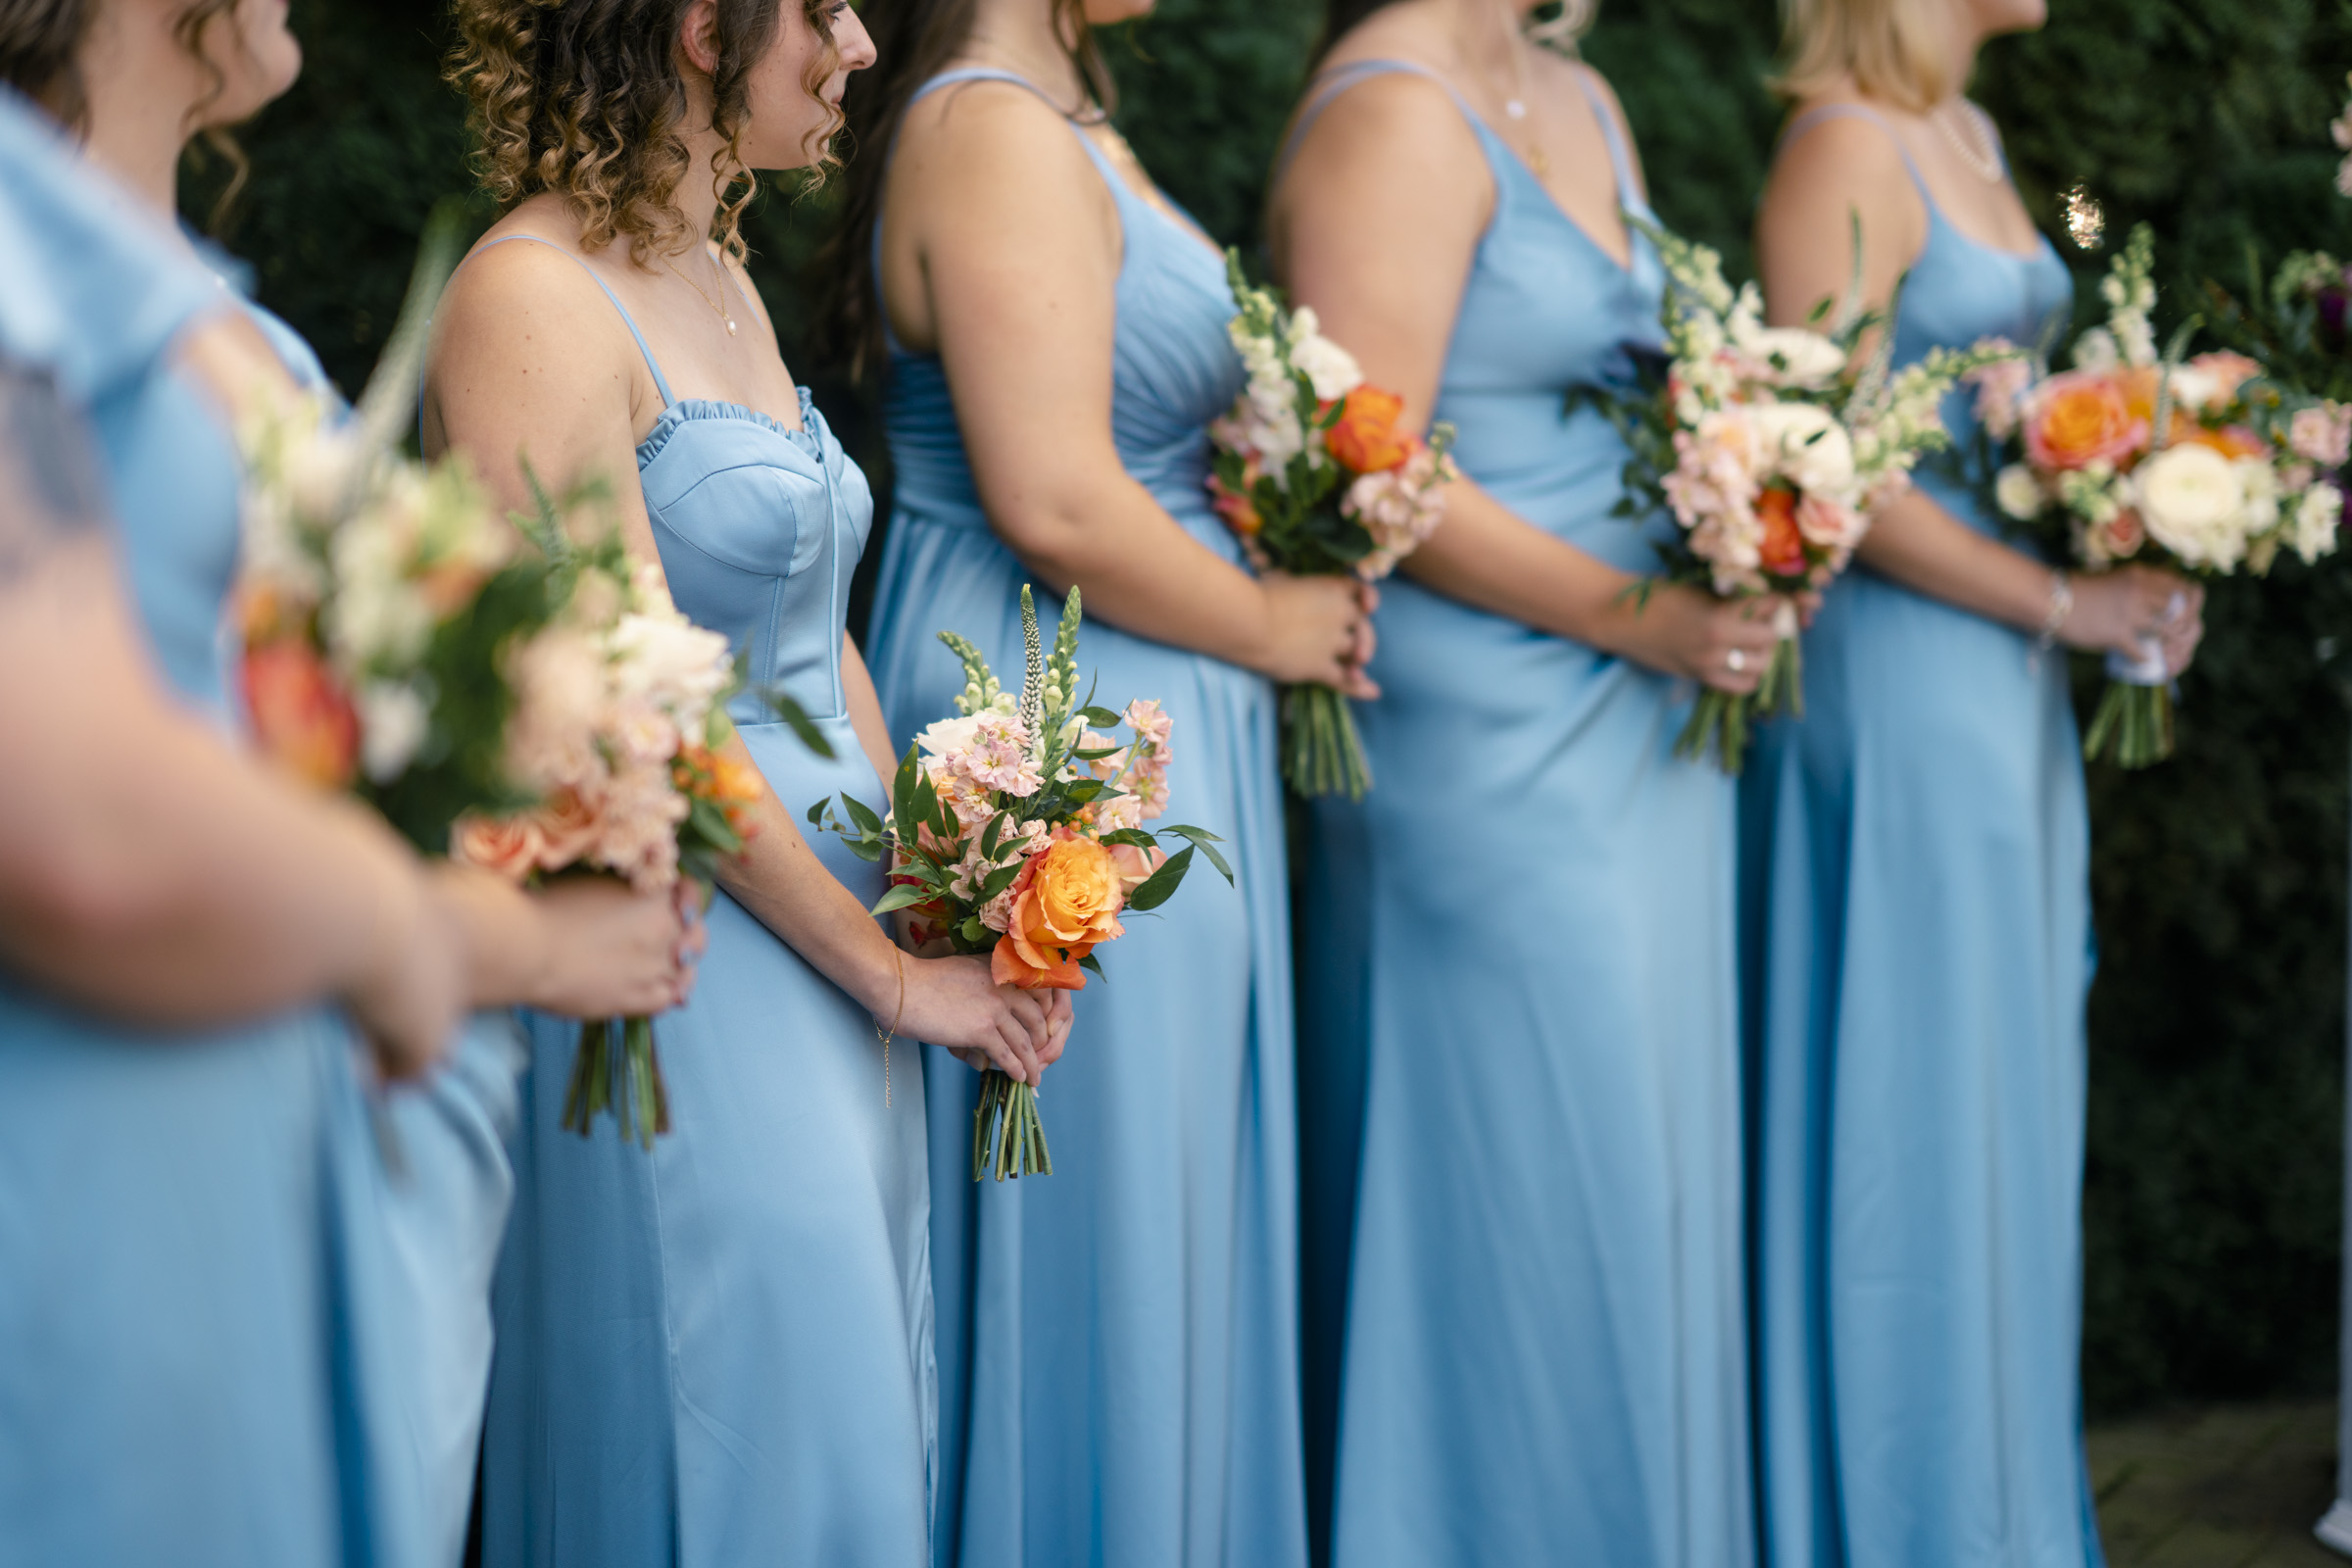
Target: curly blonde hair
<point>586,98</point>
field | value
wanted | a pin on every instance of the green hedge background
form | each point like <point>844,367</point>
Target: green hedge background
<point>2213,1207</point>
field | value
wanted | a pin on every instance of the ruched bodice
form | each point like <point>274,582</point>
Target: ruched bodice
<point>1529,1350</point>
<point>759,528</point>
<point>1118,1343</point>
<point>757,1382</point>
<point>1915,904</point>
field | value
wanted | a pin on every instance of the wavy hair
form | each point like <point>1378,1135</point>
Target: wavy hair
<point>41,50</point>
<point>585,99</point>
<point>913,40</point>
<point>1893,50</point>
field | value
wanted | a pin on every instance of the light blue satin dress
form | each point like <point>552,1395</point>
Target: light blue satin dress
<point>190,1301</point>
<point>1519,1045</point>
<point>1118,1341</point>
<point>719,1352</point>
<point>1916,934</point>
<point>439,1221</point>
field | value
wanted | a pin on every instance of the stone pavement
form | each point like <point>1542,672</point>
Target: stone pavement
<point>2231,1487</point>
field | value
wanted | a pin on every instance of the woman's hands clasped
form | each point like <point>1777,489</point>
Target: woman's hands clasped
<point>954,1004</point>
<point>2119,612</point>
<point>1725,643</point>
<point>1318,631</point>
<point>610,953</point>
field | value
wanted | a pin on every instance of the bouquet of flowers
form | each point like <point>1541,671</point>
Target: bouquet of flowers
<point>1770,447</point>
<point>1314,477</point>
<point>2202,464</point>
<point>1017,829</point>
<point>618,733</point>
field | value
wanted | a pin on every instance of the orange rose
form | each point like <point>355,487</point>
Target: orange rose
<point>1783,553</point>
<point>508,846</point>
<point>2079,418</point>
<point>300,716</point>
<point>1066,900</point>
<point>1366,440</point>
<point>1235,508</point>
<point>567,824</point>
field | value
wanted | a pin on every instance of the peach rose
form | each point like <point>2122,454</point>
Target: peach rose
<point>2081,417</point>
<point>508,846</point>
<point>567,824</point>
<point>1783,550</point>
<point>1135,866</point>
<point>303,720</point>
<point>1065,900</point>
<point>2231,440</point>
<point>1234,507</point>
<point>1366,440</point>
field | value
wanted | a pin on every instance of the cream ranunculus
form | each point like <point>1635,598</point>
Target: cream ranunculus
<point>1330,368</point>
<point>1805,444</point>
<point>2312,532</point>
<point>1796,356</point>
<point>2018,493</point>
<point>2193,502</point>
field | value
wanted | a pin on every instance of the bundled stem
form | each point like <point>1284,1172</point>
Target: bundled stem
<point>1721,722</point>
<point>1322,752</point>
<point>2132,727</point>
<point>1008,1138</point>
<point>621,1076</point>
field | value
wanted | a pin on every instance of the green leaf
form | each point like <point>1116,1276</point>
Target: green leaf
<point>1100,717</point>
<point>1132,835</point>
<point>899,897</point>
<point>861,813</point>
<point>996,881</point>
<point>795,717</point>
<point>1206,841</point>
<point>1160,884</point>
<point>1090,967</point>
<point>816,812</point>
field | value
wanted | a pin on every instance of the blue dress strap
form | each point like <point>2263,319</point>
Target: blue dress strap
<point>1821,113</point>
<point>1340,79</point>
<point>1621,163</point>
<point>660,381</point>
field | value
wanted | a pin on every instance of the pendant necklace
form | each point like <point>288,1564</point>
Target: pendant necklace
<point>1978,150</point>
<point>723,313</point>
<point>1515,105</point>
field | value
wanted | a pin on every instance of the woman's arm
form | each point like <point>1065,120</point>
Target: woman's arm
<point>1003,251</point>
<point>1848,168</point>
<point>531,362</point>
<point>1385,278</point>
<point>146,870</point>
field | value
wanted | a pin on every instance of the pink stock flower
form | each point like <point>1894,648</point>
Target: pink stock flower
<point>2001,387</point>
<point>2322,434</point>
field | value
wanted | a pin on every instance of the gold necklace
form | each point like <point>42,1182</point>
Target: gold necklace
<point>1981,152</point>
<point>723,313</point>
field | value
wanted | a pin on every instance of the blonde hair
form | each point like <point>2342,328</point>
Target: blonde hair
<point>1893,50</point>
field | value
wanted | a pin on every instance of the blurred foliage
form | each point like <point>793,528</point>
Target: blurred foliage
<point>2218,1022</point>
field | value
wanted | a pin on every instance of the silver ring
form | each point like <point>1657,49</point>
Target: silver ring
<point>1737,660</point>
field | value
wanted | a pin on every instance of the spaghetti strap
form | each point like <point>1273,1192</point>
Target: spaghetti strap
<point>1825,112</point>
<point>1340,79</point>
<point>949,78</point>
<point>1629,194</point>
<point>660,381</point>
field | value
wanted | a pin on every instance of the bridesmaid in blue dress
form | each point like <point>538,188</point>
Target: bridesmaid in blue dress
<point>589,949</point>
<point>1915,891</point>
<point>1519,1077</point>
<point>186,1303</point>
<point>719,1352</point>
<point>1118,1342</point>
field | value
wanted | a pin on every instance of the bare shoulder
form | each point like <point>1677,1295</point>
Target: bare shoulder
<point>1390,120</point>
<point>529,304</point>
<point>997,134</point>
<point>1839,147</point>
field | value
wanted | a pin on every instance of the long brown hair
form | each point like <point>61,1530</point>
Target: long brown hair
<point>40,55</point>
<point>584,99</point>
<point>913,39</point>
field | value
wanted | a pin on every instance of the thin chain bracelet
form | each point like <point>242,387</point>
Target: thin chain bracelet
<point>886,1036</point>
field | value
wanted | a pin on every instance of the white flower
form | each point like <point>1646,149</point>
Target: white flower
<point>2096,350</point>
<point>1331,369</point>
<point>2312,529</point>
<point>2018,492</point>
<point>1806,444</point>
<point>393,721</point>
<point>322,471</point>
<point>2258,482</point>
<point>378,616</point>
<point>2193,502</point>
<point>1792,356</point>
<point>665,659</point>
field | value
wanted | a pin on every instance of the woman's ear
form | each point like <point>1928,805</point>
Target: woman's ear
<point>698,36</point>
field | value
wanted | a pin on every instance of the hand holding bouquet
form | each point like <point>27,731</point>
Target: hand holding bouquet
<point>1771,446</point>
<point>1015,829</point>
<point>2201,465</point>
<point>1315,478</point>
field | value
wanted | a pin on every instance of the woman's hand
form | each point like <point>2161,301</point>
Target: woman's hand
<point>408,1003</point>
<point>1725,643</point>
<point>1317,631</point>
<point>610,953</point>
<point>2119,612</point>
<point>953,1002</point>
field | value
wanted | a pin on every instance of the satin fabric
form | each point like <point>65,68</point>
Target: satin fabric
<point>1118,1341</point>
<point>718,1353</point>
<point>188,1281</point>
<point>1519,1078</point>
<point>1917,928</point>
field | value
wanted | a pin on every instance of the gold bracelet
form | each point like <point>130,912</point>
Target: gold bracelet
<point>886,1036</point>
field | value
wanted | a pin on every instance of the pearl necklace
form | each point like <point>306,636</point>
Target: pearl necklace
<point>724,313</point>
<point>1981,151</point>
